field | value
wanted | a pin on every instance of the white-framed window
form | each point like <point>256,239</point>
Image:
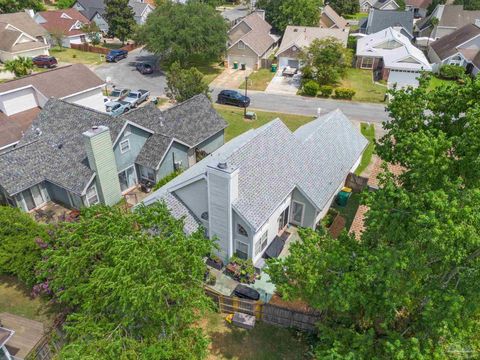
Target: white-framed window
<point>241,250</point>
<point>261,243</point>
<point>92,195</point>
<point>124,146</point>
<point>241,45</point>
<point>298,210</point>
<point>367,63</point>
<point>147,173</point>
<point>241,230</point>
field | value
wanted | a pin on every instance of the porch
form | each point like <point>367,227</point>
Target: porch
<point>27,334</point>
<point>52,212</point>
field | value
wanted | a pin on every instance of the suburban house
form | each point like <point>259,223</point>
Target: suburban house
<point>250,189</point>
<point>462,47</point>
<point>392,57</point>
<point>20,35</point>
<point>68,22</point>
<point>331,20</point>
<point>250,41</point>
<point>419,7</point>
<point>22,99</point>
<point>449,18</point>
<point>367,5</point>
<point>5,335</point>
<point>297,38</point>
<point>77,156</point>
<point>141,9</point>
<point>379,20</point>
<point>236,14</point>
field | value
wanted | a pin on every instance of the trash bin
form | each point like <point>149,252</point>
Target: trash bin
<point>274,68</point>
<point>235,65</point>
<point>342,198</point>
<point>243,66</point>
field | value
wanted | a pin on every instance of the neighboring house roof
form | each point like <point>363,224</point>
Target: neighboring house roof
<point>381,4</point>
<point>53,147</point>
<point>339,21</point>
<point>92,7</point>
<point>272,161</point>
<point>68,21</point>
<point>139,7</point>
<point>448,45</point>
<point>239,12</point>
<point>180,211</point>
<point>19,33</point>
<point>258,38</point>
<point>14,126</point>
<point>23,22</point>
<point>378,20</point>
<point>418,4</point>
<point>449,16</point>
<point>395,49</point>
<point>302,36</point>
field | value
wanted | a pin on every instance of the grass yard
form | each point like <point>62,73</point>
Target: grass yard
<point>209,70</point>
<point>259,80</point>
<point>76,56</point>
<point>366,90</point>
<point>264,342</point>
<point>369,132</point>
<point>356,16</point>
<point>349,211</point>
<point>437,82</point>
<point>15,299</point>
<point>237,125</point>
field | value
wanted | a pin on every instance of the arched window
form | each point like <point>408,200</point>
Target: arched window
<point>241,230</point>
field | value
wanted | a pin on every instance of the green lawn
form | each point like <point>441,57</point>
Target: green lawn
<point>77,56</point>
<point>237,124</point>
<point>366,90</point>
<point>357,16</point>
<point>263,342</point>
<point>369,132</point>
<point>349,211</point>
<point>209,70</point>
<point>437,82</point>
<point>259,80</point>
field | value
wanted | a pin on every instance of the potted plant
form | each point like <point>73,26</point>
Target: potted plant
<point>211,279</point>
<point>215,262</point>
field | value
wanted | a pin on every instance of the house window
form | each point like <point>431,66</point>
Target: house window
<point>367,63</point>
<point>92,195</point>
<point>241,45</point>
<point>124,146</point>
<point>242,250</point>
<point>82,38</point>
<point>147,174</point>
<point>261,243</point>
<point>241,230</point>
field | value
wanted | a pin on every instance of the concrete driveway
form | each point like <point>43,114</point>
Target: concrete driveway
<point>123,73</point>
<point>285,85</point>
<point>230,79</point>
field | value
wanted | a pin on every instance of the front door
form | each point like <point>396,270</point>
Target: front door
<point>127,178</point>
<point>297,212</point>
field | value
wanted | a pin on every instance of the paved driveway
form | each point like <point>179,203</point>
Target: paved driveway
<point>230,79</point>
<point>284,84</point>
<point>123,74</point>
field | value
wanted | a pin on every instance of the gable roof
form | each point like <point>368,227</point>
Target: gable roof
<point>54,21</point>
<point>13,27</point>
<point>92,7</point>
<point>302,36</point>
<point>318,157</point>
<point>451,16</point>
<point>23,22</point>
<point>447,45</point>
<point>338,20</point>
<point>380,4</point>
<point>258,38</point>
<point>378,20</point>
<point>139,7</point>
<point>14,126</point>
<point>418,4</point>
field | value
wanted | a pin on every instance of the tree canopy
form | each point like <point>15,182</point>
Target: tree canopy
<point>409,288</point>
<point>120,18</point>
<point>20,67</point>
<point>182,84</point>
<point>468,4</point>
<point>345,7</point>
<point>12,6</point>
<point>280,13</point>
<point>132,282</point>
<point>181,32</point>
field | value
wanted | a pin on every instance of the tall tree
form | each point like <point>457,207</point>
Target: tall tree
<point>345,7</point>
<point>133,283</point>
<point>280,13</point>
<point>11,6</point>
<point>182,32</point>
<point>408,289</point>
<point>92,31</point>
<point>182,84</point>
<point>468,4</point>
<point>120,19</point>
<point>20,67</point>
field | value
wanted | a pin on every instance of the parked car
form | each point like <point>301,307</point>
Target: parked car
<point>135,98</point>
<point>232,97</point>
<point>115,55</point>
<point>116,108</point>
<point>45,61</point>
<point>119,94</point>
<point>144,68</point>
<point>245,292</point>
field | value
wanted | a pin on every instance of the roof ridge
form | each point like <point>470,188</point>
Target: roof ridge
<point>181,103</point>
<point>18,147</point>
<point>39,73</point>
<point>54,99</point>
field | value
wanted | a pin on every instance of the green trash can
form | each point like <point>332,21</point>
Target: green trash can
<point>274,68</point>
<point>235,65</point>
<point>342,198</point>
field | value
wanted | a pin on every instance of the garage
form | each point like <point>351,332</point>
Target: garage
<point>249,61</point>
<point>403,78</point>
<point>284,61</point>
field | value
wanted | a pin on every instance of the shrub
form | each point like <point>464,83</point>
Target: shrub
<point>166,179</point>
<point>344,93</point>
<point>326,90</point>
<point>310,88</point>
<point>451,72</point>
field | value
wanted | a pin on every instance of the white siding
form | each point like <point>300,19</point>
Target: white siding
<point>92,99</point>
<point>5,56</point>
<point>18,101</point>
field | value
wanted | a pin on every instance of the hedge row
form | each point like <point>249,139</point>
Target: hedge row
<point>311,88</point>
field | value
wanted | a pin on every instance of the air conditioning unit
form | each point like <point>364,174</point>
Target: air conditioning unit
<point>177,164</point>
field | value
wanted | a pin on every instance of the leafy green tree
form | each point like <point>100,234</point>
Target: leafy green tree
<point>468,4</point>
<point>12,6</point>
<point>20,67</point>
<point>327,60</point>
<point>133,283</point>
<point>183,32</point>
<point>93,32</point>
<point>182,84</point>
<point>345,7</point>
<point>120,18</point>
<point>64,4</point>
<point>280,13</point>
<point>409,288</point>
<point>21,239</point>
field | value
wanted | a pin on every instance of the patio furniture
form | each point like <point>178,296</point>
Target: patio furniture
<point>276,246</point>
<point>146,186</point>
<point>233,269</point>
<point>289,71</point>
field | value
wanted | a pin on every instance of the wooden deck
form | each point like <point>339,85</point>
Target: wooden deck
<point>27,333</point>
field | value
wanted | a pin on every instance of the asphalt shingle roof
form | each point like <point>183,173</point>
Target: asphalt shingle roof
<point>379,20</point>
<point>258,38</point>
<point>447,45</point>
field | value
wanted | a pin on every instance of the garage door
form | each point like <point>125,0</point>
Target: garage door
<point>249,61</point>
<point>402,79</point>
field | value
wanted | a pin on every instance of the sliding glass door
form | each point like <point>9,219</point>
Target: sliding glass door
<point>127,178</point>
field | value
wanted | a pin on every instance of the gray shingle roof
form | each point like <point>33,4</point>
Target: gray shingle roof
<point>153,150</point>
<point>447,45</point>
<point>92,7</point>
<point>258,38</point>
<point>272,161</point>
<point>180,211</point>
<point>379,20</point>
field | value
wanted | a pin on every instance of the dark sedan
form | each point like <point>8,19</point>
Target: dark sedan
<point>144,68</point>
<point>232,97</point>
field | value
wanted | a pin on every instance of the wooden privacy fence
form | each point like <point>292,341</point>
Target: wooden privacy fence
<point>99,49</point>
<point>356,183</point>
<point>268,313</point>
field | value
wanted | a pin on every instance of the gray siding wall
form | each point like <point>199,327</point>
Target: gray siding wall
<point>213,143</point>
<point>137,138</point>
<point>177,151</point>
<point>195,196</point>
<point>237,220</point>
<point>309,213</point>
<point>58,194</point>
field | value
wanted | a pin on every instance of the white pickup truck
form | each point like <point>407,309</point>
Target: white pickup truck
<point>135,98</point>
